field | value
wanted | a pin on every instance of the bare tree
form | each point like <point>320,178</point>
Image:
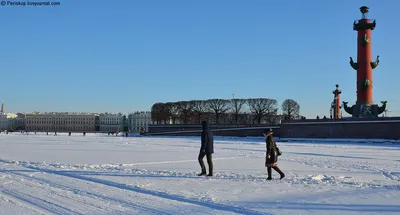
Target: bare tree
<point>193,119</point>
<point>173,111</point>
<point>225,118</point>
<point>272,117</point>
<point>185,110</point>
<point>261,107</point>
<point>272,112</point>
<point>290,109</point>
<point>216,111</point>
<point>218,106</point>
<point>245,118</point>
<point>199,108</point>
<point>237,106</point>
<point>156,113</point>
<point>164,109</point>
<point>160,113</point>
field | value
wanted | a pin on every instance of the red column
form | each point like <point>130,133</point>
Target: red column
<point>336,101</point>
<point>337,106</point>
<point>364,71</point>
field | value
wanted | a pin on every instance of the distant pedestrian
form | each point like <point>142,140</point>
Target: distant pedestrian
<point>206,149</point>
<point>271,158</point>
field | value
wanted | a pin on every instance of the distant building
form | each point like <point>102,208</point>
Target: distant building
<point>60,122</point>
<point>7,121</point>
<point>111,122</point>
<point>10,121</point>
<point>139,120</point>
<point>19,122</point>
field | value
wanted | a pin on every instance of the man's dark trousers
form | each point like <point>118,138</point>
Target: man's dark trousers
<point>209,161</point>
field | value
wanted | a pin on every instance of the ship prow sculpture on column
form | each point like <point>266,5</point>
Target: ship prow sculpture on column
<point>364,106</point>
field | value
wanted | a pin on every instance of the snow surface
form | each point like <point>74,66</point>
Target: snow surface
<point>101,174</point>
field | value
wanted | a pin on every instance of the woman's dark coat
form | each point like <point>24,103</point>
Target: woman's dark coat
<point>272,153</point>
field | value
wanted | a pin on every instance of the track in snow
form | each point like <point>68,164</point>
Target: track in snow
<point>149,196</point>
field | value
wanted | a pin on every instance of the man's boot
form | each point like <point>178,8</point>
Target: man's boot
<point>203,168</point>
<point>210,165</point>
<point>203,171</point>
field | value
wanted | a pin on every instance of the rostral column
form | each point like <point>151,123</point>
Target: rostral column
<point>336,103</point>
<point>364,106</point>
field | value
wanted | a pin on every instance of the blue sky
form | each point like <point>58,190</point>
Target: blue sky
<point>124,56</point>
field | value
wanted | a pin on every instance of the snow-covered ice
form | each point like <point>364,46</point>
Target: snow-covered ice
<point>101,174</point>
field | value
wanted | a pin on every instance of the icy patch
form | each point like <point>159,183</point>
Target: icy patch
<point>320,177</point>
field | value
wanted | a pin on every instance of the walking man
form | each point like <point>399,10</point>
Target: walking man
<point>207,149</point>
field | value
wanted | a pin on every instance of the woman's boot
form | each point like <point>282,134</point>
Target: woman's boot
<point>279,171</point>
<point>269,171</point>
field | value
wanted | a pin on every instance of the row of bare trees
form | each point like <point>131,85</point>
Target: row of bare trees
<point>233,111</point>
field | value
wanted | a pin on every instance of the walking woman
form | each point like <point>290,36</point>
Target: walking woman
<point>271,158</point>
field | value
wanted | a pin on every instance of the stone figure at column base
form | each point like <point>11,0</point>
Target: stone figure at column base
<point>364,110</point>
